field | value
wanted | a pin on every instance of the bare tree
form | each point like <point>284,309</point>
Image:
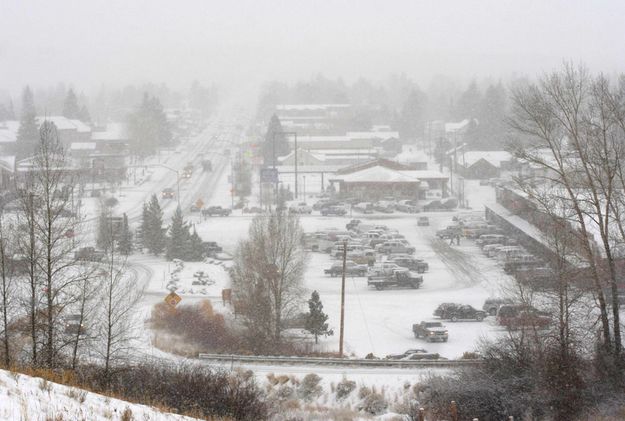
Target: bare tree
<point>45,198</point>
<point>120,294</point>
<point>571,130</point>
<point>267,276</point>
<point>6,289</point>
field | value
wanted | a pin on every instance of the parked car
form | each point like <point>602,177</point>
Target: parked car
<point>333,210</point>
<point>363,207</point>
<point>414,355</point>
<point>351,269</point>
<point>351,225</point>
<point>491,305</point>
<point>441,310</point>
<point>486,239</point>
<point>398,279</point>
<point>452,231</point>
<point>515,316</point>
<point>385,268</point>
<point>525,261</point>
<point>433,205</point>
<point>430,331</point>
<point>89,254</point>
<point>300,208</point>
<point>216,210</point>
<point>382,207</point>
<point>168,193</point>
<point>423,221</point>
<point>411,263</point>
<point>211,248</point>
<point>408,206</point>
<point>463,312</point>
<point>394,247</point>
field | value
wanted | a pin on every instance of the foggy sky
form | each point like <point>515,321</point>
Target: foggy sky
<point>87,43</point>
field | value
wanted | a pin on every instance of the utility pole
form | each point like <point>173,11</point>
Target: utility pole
<point>341,336</point>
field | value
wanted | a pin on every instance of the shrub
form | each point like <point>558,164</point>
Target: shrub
<point>310,388</point>
<point>363,392</point>
<point>344,388</point>
<point>374,404</point>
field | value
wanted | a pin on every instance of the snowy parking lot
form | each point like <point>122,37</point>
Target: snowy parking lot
<point>380,322</point>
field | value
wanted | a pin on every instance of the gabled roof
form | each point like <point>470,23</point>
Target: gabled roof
<point>64,123</point>
<point>495,158</point>
<point>83,146</point>
<point>381,162</point>
<point>377,174</point>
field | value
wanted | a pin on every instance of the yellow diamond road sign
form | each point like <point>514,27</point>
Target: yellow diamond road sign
<point>199,203</point>
<point>173,299</point>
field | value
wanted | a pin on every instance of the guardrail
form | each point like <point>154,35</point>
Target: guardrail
<point>347,362</point>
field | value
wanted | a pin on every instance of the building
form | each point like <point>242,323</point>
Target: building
<point>382,178</point>
<point>313,118</point>
<point>483,164</point>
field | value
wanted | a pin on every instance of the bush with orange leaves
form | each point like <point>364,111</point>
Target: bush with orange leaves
<point>196,324</point>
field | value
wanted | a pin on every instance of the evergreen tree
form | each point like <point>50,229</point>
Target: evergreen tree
<point>104,238</point>
<point>145,226</point>
<point>412,116</point>
<point>274,134</point>
<point>154,234</point>
<point>148,127</point>
<point>179,238</point>
<point>195,253</point>
<point>28,132</point>
<point>83,114</point>
<point>125,237</point>
<point>316,319</point>
<point>70,106</point>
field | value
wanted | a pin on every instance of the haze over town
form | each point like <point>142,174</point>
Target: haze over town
<point>300,210</point>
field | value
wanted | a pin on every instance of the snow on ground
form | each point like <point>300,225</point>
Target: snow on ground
<point>381,321</point>
<point>30,398</point>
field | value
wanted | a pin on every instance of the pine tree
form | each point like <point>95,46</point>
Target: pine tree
<point>179,238</point>
<point>125,237</point>
<point>28,132</point>
<point>83,114</point>
<point>104,240</point>
<point>148,127</point>
<point>274,134</point>
<point>70,106</point>
<point>145,226</point>
<point>316,319</point>
<point>154,234</point>
<point>195,252</point>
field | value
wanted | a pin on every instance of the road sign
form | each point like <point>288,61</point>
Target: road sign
<point>173,299</point>
<point>269,175</point>
<point>199,203</point>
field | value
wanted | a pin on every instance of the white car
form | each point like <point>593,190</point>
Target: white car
<point>300,208</point>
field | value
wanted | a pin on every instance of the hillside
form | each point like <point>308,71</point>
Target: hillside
<point>33,399</point>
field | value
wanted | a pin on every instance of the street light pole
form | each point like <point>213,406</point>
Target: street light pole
<point>341,335</point>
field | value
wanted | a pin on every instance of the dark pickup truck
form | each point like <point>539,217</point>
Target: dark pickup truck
<point>89,254</point>
<point>398,279</point>
<point>211,248</point>
<point>216,210</point>
<point>411,263</point>
<point>430,331</point>
<point>351,269</point>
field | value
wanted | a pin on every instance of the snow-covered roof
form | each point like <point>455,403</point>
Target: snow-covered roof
<point>373,135</point>
<point>301,107</point>
<point>8,131</point>
<point>344,152</point>
<point>7,163</point>
<point>64,123</point>
<point>425,174</point>
<point>300,152</point>
<point>458,126</point>
<point>378,174</point>
<point>321,139</point>
<point>114,131</point>
<point>495,158</point>
<point>83,146</point>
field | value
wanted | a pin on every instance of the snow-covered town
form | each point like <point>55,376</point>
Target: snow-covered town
<point>218,212</point>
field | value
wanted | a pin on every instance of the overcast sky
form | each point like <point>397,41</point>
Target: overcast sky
<point>86,43</point>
